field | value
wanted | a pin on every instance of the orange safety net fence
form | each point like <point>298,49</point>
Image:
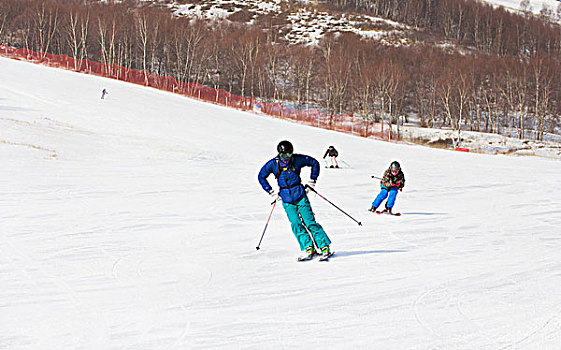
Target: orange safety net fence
<point>345,123</point>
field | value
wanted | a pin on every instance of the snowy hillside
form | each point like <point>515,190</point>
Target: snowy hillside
<point>131,223</point>
<point>306,25</point>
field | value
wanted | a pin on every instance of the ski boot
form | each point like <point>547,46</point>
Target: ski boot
<point>308,253</point>
<point>387,211</point>
<point>372,209</point>
<point>325,253</point>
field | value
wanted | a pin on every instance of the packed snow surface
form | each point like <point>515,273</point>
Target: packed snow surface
<point>131,223</point>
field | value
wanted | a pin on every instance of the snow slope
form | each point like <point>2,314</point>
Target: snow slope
<point>131,223</point>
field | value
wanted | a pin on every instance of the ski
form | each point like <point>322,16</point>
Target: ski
<point>385,212</point>
<point>326,258</point>
<point>306,257</point>
<point>321,257</point>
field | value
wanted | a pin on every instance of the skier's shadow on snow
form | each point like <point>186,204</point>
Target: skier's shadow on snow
<point>365,252</point>
<point>421,213</point>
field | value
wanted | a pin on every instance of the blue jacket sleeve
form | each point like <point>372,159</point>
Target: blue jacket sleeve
<point>312,162</point>
<point>265,171</point>
<point>315,168</point>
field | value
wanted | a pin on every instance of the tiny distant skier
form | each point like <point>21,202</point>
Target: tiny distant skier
<point>103,93</point>
<point>332,153</point>
<point>392,181</point>
<point>286,167</point>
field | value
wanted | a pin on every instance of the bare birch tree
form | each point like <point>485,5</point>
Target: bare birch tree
<point>46,24</point>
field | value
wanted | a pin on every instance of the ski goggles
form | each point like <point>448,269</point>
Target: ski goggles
<point>285,155</point>
<point>395,172</point>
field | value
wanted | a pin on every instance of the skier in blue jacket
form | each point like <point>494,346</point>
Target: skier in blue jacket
<point>286,167</point>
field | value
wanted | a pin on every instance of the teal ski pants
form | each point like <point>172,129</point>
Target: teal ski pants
<point>301,217</point>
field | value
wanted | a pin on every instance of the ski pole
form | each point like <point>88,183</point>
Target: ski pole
<point>267,224</point>
<point>316,192</point>
<point>376,177</point>
<point>276,200</point>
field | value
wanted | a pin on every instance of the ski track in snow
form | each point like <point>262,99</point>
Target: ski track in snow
<point>140,232</point>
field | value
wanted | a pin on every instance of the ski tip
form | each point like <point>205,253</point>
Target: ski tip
<point>322,258</point>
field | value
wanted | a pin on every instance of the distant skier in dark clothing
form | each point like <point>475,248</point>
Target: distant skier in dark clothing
<point>332,153</point>
<point>286,167</point>
<point>392,181</point>
<point>103,93</point>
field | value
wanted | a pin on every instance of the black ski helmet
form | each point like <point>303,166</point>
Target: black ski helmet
<point>395,166</point>
<point>285,147</point>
